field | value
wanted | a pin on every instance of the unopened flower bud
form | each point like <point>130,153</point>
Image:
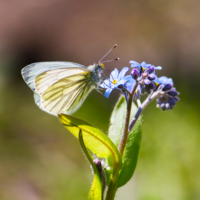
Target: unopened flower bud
<point>135,73</point>
<point>168,87</point>
<point>147,81</point>
<point>151,77</point>
<point>97,162</point>
<point>150,69</point>
<point>162,106</point>
<point>142,89</point>
<point>176,99</point>
<point>152,85</point>
<point>167,106</point>
<point>172,101</point>
<point>173,93</point>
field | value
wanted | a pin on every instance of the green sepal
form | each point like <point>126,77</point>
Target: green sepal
<point>131,150</point>
<point>96,188</point>
<point>95,140</point>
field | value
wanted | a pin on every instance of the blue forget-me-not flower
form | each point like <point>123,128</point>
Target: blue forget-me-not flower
<point>116,79</point>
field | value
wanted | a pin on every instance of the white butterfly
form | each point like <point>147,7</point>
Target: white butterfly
<point>62,86</point>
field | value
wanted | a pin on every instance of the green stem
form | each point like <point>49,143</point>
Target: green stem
<point>112,188</point>
<point>125,133</point>
<point>124,138</point>
<point>141,108</point>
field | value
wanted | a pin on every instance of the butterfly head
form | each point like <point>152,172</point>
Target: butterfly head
<point>101,65</point>
<point>97,68</point>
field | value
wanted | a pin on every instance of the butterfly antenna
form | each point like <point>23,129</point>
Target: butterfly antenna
<point>108,52</point>
<point>110,60</point>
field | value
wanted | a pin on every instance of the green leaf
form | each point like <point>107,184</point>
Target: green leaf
<point>96,188</point>
<point>117,121</point>
<point>131,150</point>
<point>95,140</point>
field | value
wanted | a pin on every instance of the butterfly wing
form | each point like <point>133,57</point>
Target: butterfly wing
<point>30,72</point>
<point>58,86</point>
<point>67,94</point>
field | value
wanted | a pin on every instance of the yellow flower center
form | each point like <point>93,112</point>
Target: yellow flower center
<point>114,81</point>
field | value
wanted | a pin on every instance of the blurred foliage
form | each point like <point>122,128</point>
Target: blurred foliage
<point>39,158</point>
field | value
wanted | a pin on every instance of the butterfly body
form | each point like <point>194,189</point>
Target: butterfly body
<point>61,86</point>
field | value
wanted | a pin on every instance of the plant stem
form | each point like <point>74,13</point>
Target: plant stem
<point>134,120</point>
<point>112,188</point>
<point>125,133</point>
<point>126,124</point>
<point>150,98</point>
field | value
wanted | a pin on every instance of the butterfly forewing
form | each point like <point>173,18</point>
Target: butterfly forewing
<point>45,80</point>
<point>67,93</point>
<point>30,72</point>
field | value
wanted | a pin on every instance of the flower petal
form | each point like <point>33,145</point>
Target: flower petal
<point>114,74</point>
<point>107,93</point>
<point>129,83</point>
<point>144,64</point>
<point>164,80</point>
<point>134,63</point>
<point>121,82</point>
<point>122,73</point>
<point>106,84</point>
<point>129,78</point>
<point>158,68</point>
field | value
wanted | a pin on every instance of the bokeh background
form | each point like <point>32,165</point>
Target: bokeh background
<point>39,159</point>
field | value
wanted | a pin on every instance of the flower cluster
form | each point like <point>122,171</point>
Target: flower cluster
<point>143,80</point>
<point>145,74</point>
<point>168,96</point>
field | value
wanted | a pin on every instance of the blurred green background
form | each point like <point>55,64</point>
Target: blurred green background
<point>39,159</point>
